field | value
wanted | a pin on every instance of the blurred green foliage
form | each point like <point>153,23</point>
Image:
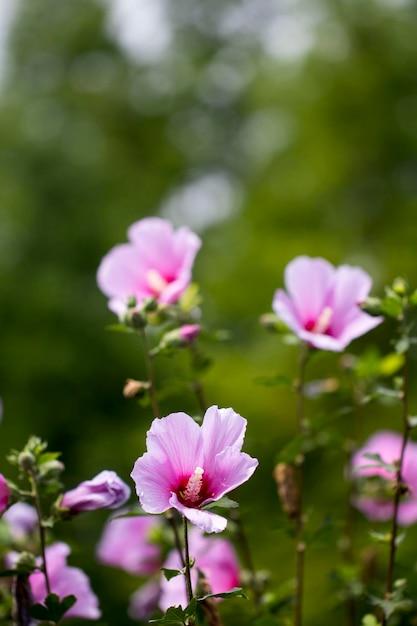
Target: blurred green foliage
<point>273,130</point>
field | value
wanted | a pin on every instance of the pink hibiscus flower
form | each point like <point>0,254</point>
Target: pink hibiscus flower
<point>321,305</point>
<point>375,485</point>
<point>157,263</point>
<point>186,466</point>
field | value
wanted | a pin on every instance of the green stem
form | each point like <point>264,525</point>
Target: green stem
<point>399,486</point>
<point>300,545</point>
<point>150,373</point>
<point>187,562</point>
<point>36,499</point>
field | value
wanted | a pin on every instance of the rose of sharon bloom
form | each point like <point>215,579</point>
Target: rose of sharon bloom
<point>187,466</point>
<point>321,305</point>
<point>4,494</point>
<point>125,543</point>
<point>375,485</point>
<point>105,491</point>
<point>21,519</point>
<point>157,263</point>
<point>65,581</point>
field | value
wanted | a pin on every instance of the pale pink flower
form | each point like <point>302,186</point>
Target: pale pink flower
<point>215,557</point>
<point>321,305</point>
<point>126,544</point>
<point>104,491</point>
<point>187,466</point>
<point>64,581</point>
<point>21,519</point>
<point>374,495</point>
<point>157,263</point>
<point>144,601</point>
<point>5,494</point>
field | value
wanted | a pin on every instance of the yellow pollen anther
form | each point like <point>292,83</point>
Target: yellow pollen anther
<point>155,281</point>
<point>193,488</point>
<point>324,320</point>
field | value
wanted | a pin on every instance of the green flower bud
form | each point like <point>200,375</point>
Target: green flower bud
<point>26,461</point>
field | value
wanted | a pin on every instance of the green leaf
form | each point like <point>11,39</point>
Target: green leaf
<point>176,615</point>
<point>118,328</point>
<point>387,392</point>
<point>223,503</point>
<point>54,609</point>
<point>172,573</point>
<point>236,592</point>
<point>379,462</point>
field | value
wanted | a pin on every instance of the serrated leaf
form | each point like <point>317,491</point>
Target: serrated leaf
<point>176,615</point>
<point>171,573</point>
<point>224,503</point>
<point>236,592</point>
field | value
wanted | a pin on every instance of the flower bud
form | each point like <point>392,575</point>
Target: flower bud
<point>105,491</point>
<point>26,461</point>
<point>135,319</point>
<point>135,388</point>
<point>399,286</point>
<point>288,490</point>
<point>25,563</point>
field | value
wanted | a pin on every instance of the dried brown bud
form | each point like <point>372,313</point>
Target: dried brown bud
<point>134,388</point>
<point>285,476</point>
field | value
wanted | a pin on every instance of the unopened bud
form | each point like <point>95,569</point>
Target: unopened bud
<point>26,563</point>
<point>372,305</point>
<point>149,305</point>
<point>134,388</point>
<point>272,323</point>
<point>288,490</point>
<point>135,319</point>
<point>399,286</point>
<point>26,460</point>
<point>131,302</point>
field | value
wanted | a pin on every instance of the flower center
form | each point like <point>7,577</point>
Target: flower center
<point>156,282</point>
<point>192,491</point>
<point>322,324</point>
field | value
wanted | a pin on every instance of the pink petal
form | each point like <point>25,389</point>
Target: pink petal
<point>222,428</point>
<point>308,282</point>
<point>207,521</point>
<point>122,273</point>
<point>229,469</point>
<point>154,483</point>
<point>177,441</point>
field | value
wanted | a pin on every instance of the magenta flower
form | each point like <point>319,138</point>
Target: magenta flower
<point>215,557</point>
<point>64,581</point>
<point>374,495</point>
<point>5,494</point>
<point>105,491</point>
<point>322,303</point>
<point>187,466</point>
<point>189,332</point>
<point>126,544</point>
<point>157,263</point>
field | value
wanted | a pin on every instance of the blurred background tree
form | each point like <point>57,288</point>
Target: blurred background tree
<point>272,129</point>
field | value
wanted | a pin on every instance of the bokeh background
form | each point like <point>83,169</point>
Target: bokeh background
<point>270,128</point>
